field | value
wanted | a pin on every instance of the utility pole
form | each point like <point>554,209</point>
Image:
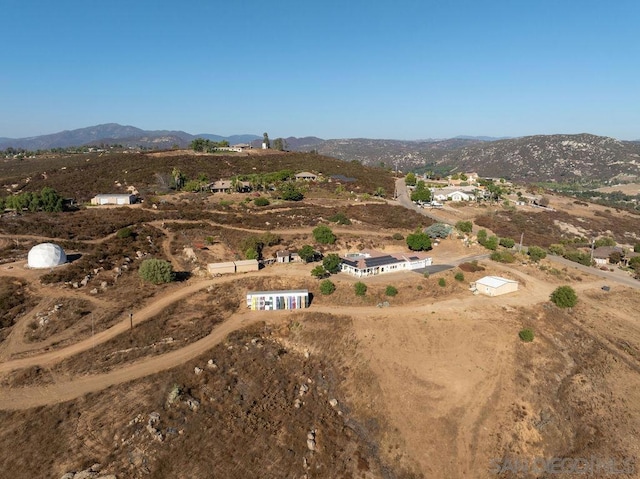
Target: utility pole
<point>521,238</point>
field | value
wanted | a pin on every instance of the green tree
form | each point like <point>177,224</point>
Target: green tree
<point>319,272</point>
<point>419,241</point>
<point>634,263</point>
<point>636,248</point>
<point>279,144</point>
<point>410,179</point>
<point>331,263</point>
<point>323,235</point>
<point>290,192</point>
<point>178,178</point>
<point>564,297</point>
<point>360,288</point>
<point>307,253</point>
<point>536,253</point>
<point>252,253</point>
<point>421,192</point>
<point>156,271</point>
<point>442,282</point>
<point>327,287</point>
<point>464,226</point>
<point>198,144</point>
<point>265,140</point>
<point>391,291</point>
<point>50,200</point>
<point>439,230</point>
<point>605,241</point>
<point>491,243</point>
<point>482,236</point>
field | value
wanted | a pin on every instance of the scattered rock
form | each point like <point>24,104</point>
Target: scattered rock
<point>333,402</point>
<point>94,291</point>
<point>197,370</point>
<point>211,364</point>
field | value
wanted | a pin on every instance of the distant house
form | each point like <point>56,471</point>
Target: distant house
<point>453,194</point>
<point>221,186</point>
<point>242,146</point>
<point>370,262</point>
<point>114,199</point>
<point>494,286</point>
<point>601,255</point>
<point>306,176</point>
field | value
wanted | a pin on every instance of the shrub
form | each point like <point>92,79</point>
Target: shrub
<point>464,226</point>
<point>323,235</point>
<point>491,243</point>
<point>438,230</point>
<point>418,242</point>
<point>502,257</point>
<point>636,248</point>
<point>261,201</point>
<point>289,192</point>
<point>459,276</point>
<point>526,335</point>
<point>536,253</point>
<point>156,271</point>
<point>442,282</point>
<point>557,249</point>
<point>124,233</point>
<point>398,236</point>
<point>507,242</point>
<point>251,253</point>
<point>360,288</point>
<point>340,218</point>
<point>482,236</point>
<point>391,291</point>
<point>564,297</point>
<point>331,263</point>
<point>327,287</point>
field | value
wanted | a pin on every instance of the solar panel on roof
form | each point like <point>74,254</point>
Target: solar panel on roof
<point>380,261</point>
<point>350,262</point>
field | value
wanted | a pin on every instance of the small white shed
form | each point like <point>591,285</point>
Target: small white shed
<point>494,286</point>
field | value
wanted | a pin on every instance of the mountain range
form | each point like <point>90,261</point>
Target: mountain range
<point>581,157</point>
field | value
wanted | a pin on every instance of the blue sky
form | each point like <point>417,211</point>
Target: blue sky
<point>333,69</point>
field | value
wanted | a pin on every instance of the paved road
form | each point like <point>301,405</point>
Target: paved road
<point>615,276</point>
<point>402,196</point>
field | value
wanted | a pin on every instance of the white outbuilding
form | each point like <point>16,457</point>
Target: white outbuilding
<point>46,255</point>
<point>494,286</point>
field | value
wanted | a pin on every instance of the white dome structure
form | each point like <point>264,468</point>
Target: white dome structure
<point>46,255</point>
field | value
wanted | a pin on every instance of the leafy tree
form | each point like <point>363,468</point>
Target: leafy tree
<point>526,335</point>
<point>323,235</point>
<point>265,140</point>
<point>615,257</point>
<point>307,253</point>
<point>502,257</point>
<point>279,144</point>
<point>491,243</point>
<point>156,271</point>
<point>50,200</point>
<point>319,272</point>
<point>464,226</point>
<point>327,287</point>
<point>536,253</point>
<point>178,178</point>
<point>410,179</point>
<point>557,249</point>
<point>442,282</point>
<point>252,253</point>
<point>421,192</point>
<point>605,241</point>
<point>634,263</point>
<point>418,241</point>
<point>564,297</point>
<point>507,242</point>
<point>198,144</point>
<point>391,290</point>
<point>331,263</point>
<point>360,288</point>
<point>290,192</point>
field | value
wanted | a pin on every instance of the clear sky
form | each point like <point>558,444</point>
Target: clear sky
<point>334,69</point>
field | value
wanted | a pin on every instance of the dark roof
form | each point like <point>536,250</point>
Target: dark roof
<point>380,261</point>
<point>350,262</point>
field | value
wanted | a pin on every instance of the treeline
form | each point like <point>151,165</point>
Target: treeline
<point>47,200</point>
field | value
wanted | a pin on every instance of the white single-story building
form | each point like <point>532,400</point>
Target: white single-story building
<point>246,265</point>
<point>274,300</point>
<point>453,194</point>
<point>221,268</point>
<point>494,286</point>
<point>306,176</point>
<point>114,199</point>
<point>370,262</point>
